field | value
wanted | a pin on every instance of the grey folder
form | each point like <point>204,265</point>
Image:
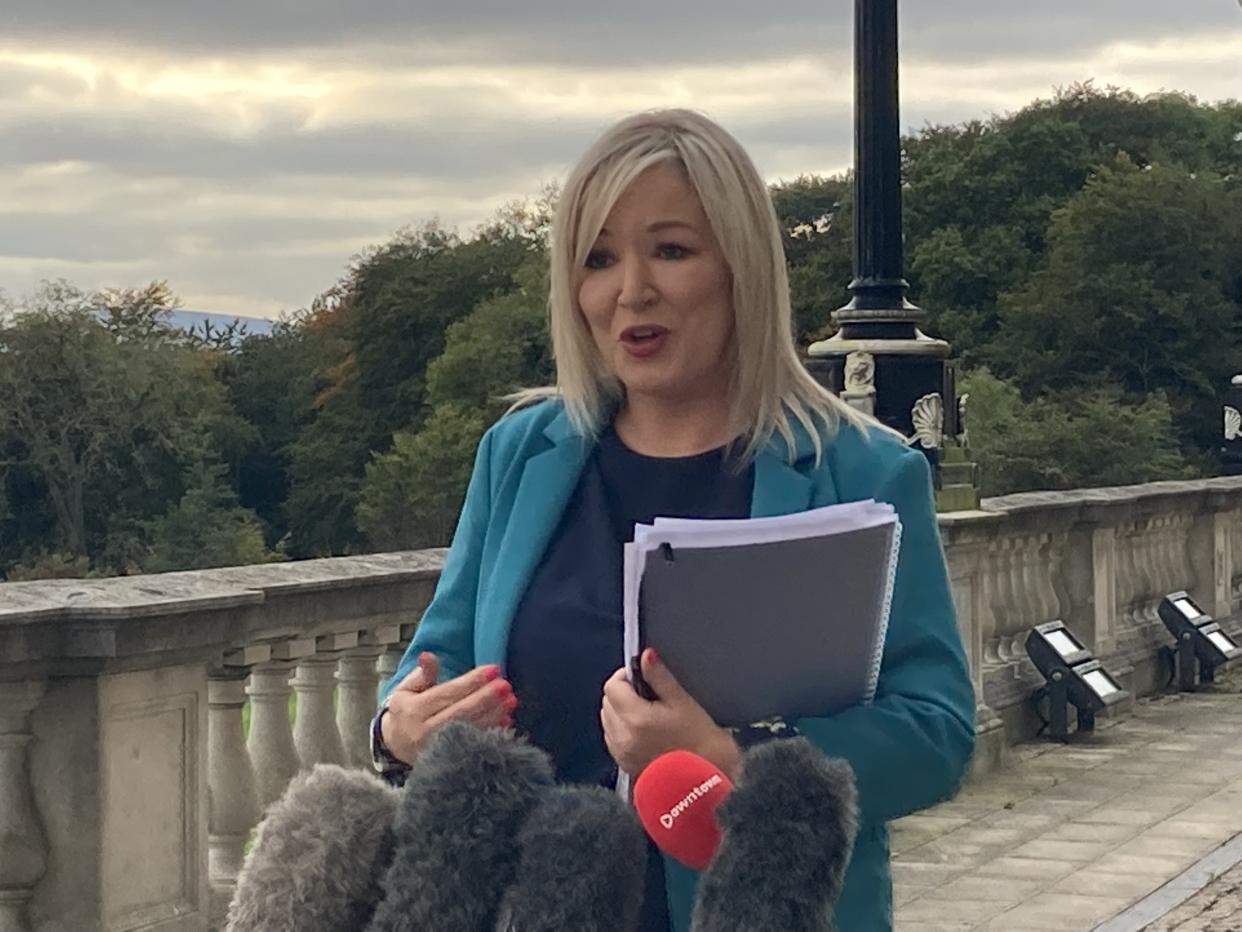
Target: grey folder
<point>786,628</point>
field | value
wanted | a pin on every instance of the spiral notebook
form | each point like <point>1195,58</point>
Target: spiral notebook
<point>765,617</point>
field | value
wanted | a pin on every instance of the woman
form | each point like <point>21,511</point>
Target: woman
<point>679,392</point>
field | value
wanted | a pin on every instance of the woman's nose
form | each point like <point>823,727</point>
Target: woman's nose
<point>637,289</point>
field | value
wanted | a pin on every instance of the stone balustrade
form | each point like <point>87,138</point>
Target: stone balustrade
<point>129,785</point>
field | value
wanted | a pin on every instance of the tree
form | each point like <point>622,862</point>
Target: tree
<point>105,408</point>
<point>816,217</point>
<point>412,494</point>
<point>206,528</point>
<point>1139,290</point>
<point>1070,440</point>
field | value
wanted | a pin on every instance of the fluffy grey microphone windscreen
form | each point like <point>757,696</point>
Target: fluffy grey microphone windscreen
<point>454,836</point>
<point>318,857</point>
<point>787,834</point>
<point>583,864</point>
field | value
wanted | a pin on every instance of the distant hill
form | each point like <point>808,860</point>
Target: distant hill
<point>194,320</point>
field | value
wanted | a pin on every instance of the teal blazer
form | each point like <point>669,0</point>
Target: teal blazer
<point>909,747</point>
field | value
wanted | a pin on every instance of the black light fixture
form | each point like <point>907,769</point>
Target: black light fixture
<point>1073,677</point>
<point>1199,638</point>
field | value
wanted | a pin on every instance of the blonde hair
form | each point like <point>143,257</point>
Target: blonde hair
<point>769,386</point>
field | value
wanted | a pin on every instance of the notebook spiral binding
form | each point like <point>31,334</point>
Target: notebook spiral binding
<point>877,656</point>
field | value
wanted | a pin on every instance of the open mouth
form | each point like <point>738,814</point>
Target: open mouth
<point>640,335</point>
<point>643,340</point>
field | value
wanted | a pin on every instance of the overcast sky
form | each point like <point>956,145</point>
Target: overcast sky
<point>245,149</point>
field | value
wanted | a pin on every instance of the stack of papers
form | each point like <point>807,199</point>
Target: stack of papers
<point>797,603</point>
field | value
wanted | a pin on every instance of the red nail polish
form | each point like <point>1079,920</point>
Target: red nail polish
<point>490,672</point>
<point>509,702</point>
<point>503,688</point>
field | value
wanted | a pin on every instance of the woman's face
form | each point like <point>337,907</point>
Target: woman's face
<point>657,294</point>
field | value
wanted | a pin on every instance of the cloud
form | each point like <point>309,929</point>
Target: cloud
<point>244,153</point>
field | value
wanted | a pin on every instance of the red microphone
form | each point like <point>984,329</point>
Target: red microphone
<point>676,798</point>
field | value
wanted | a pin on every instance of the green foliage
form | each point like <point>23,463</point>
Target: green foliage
<point>816,217</point>
<point>412,494</point>
<point>106,408</point>
<point>206,527</point>
<point>1076,439</point>
<point>373,338</point>
<point>1082,255</point>
<point>502,346</point>
<point>1136,291</point>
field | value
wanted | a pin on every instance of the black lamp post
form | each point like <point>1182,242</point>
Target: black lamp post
<point>879,360</point>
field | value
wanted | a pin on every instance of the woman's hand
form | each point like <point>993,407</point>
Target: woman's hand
<point>637,731</point>
<point>418,705</point>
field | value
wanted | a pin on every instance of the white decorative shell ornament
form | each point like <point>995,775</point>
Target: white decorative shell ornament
<point>928,417</point>
<point>1233,423</point>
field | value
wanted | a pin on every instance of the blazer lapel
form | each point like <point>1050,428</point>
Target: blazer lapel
<point>782,488</point>
<point>547,483</point>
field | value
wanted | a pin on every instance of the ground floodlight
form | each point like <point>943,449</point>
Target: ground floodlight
<point>1072,677</point>
<point>1200,640</point>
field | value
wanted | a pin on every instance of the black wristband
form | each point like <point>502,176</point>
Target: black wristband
<point>385,763</point>
<point>770,729</point>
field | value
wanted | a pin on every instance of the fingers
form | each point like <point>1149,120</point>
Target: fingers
<point>429,663</point>
<point>616,733</point>
<point>446,695</point>
<point>619,693</point>
<point>491,704</point>
<point>660,678</point>
<point>416,680</point>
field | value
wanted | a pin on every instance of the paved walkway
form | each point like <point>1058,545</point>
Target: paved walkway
<point>1217,908</point>
<point>1072,835</point>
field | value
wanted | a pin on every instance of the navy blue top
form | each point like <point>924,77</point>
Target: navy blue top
<point>566,638</point>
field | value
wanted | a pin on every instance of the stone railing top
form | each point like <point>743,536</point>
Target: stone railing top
<point>216,589</point>
<point>1114,495</point>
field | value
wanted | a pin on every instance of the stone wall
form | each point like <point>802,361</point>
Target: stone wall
<point>128,787</point>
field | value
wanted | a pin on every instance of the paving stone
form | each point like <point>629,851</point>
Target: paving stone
<point>929,910</point>
<point>1016,868</point>
<point>1094,882</point>
<point>1180,827</point>
<point>1074,852</point>
<point>1166,865</point>
<point>1147,845</point>
<point>1215,908</point>
<point>1005,894</point>
<point>1061,911</point>
<point>1070,835</point>
<point>1091,831</point>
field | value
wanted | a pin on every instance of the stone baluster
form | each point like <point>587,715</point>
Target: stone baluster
<point>393,639</point>
<point>1046,567</point>
<point>315,733</point>
<point>233,803</point>
<point>990,600</point>
<point>1233,521</point>
<point>355,708</point>
<point>386,665</point>
<point>1149,565</point>
<point>1153,570</point>
<point>270,742</point>
<point>1220,545</point>
<point>1126,575</point>
<point>23,846</point>
<point>1187,574</point>
<point>1005,603</point>
<point>1104,583</point>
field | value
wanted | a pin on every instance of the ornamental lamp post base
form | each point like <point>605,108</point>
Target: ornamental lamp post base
<point>904,383</point>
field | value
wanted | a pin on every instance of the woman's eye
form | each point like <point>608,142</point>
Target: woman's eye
<point>672,251</point>
<point>598,259</point>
